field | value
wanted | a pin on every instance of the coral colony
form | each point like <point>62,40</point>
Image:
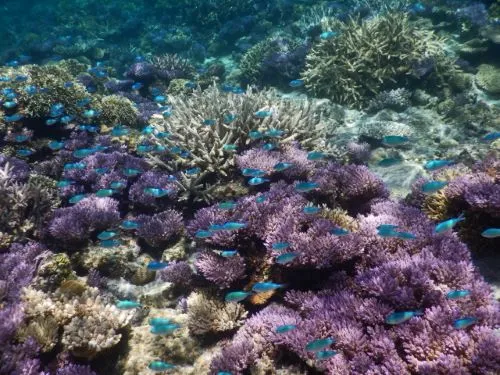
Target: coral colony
<point>250,187</point>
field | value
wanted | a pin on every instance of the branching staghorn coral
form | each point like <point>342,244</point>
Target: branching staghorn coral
<point>367,55</point>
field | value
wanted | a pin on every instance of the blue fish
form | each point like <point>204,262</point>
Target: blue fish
<point>64,183</point>
<point>131,172</point>
<point>269,146</point>
<point>387,228</point>
<point>88,128</point>
<point>229,253</point>
<point>263,287</point>
<point>20,138</point>
<point>101,170</point>
<point>433,186</point>
<point>127,304</point>
<point>464,322</point>
<point>255,134</point>
<point>230,147</point>
<point>311,210</point>
<point>237,296</point>
<point>9,105</point>
<point>143,149</point>
<point>56,110</point>
<point>325,354</point>
<point>101,193</point>
<point>156,192</point>
<point>119,131</point>
<point>257,181</point>
<point>77,198</point>
<point>263,114</point>
<point>67,119</point>
<point>129,225</point>
<point>83,102</point>
<point>399,317</point>
<point>90,113</point>
<point>305,187</point>
<point>106,235</point>
<point>389,162</point>
<point>405,235</point>
<point>491,233</point>
<point>252,172</point>
<point>490,137</point>
<point>159,321</point>
<point>296,83</point>
<point>285,328</point>
<point>13,118</point>
<point>209,122</point>
<point>315,155</point>
<point>160,98</point>
<point>224,373</point>
<point>160,366</point>
<point>395,140</point>
<point>319,344</point>
<point>226,87</point>
<point>190,85</point>
<point>433,165</point>
<point>192,171</point>
<point>280,167</point>
<point>216,227</point>
<point>274,133</point>
<point>339,232</point>
<point>326,35</point>
<point>110,243</point>
<point>162,135</point>
<point>448,224</point>
<point>228,205</point>
<point>456,294</point>
<point>238,90</point>
<point>280,246</point>
<point>164,329</point>
<point>148,130</point>
<point>51,121</point>
<point>261,199</point>
<point>83,152</point>
<point>229,118</point>
<point>137,86</point>
<point>30,90</point>
<point>117,185</point>
<point>233,225</point>
<point>156,266</point>
<point>24,152</point>
<point>203,234</point>
<point>286,258</point>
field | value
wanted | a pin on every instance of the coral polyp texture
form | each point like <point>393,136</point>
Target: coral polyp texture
<point>249,187</point>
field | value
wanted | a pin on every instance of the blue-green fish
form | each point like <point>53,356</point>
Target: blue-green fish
<point>491,233</point>
<point>64,183</point>
<point>305,187</point>
<point>389,162</point>
<point>282,166</point>
<point>280,245</point>
<point>228,253</point>
<point>55,145</point>
<point>13,118</point>
<point>268,146</point>
<point>160,98</point>
<point>285,328</point>
<point>433,186</point>
<point>230,147</point>
<point>20,138</point>
<point>339,232</point>
<point>233,225</point>
<point>286,258</point>
<point>119,131</point>
<point>159,321</point>
<point>79,165</point>
<point>160,366</point>
<point>387,227</point>
<point>131,172</point>
<point>110,243</point>
<point>147,130</point>
<point>263,287</point>
<point>237,296</point>
<point>448,224</point>
<point>51,121</point>
<point>433,165</point>
<point>490,137</point>
<point>315,155</point>
<point>209,122</point>
<point>224,373</point>
<point>456,294</point>
<point>399,317</point>
<point>296,83</point>
<point>263,114</point>
<point>325,354</point>
<point>227,205</point>
<point>229,118</point>
<point>328,35</point>
<point>101,193</point>
<point>129,225</point>
<point>156,192</point>
<point>192,171</point>
<point>395,140</point>
<point>274,133</point>
<point>156,266</point>
<point>117,185</point>
<point>83,152</point>
<point>311,210</point>
<point>143,149</point>
<point>24,152</point>
<point>319,344</point>
<point>9,105</point>
<point>255,134</point>
<point>77,198</point>
<point>164,329</point>
<point>261,199</point>
<point>216,227</point>
<point>203,234</point>
<point>405,235</point>
<point>106,235</point>
<point>257,181</point>
<point>464,322</point>
<point>252,172</point>
<point>127,304</point>
<point>90,113</point>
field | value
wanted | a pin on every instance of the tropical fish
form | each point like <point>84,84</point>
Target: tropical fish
<point>255,134</point>
<point>435,164</point>
<point>229,147</point>
<point>274,133</point>
<point>13,118</point>
<point>237,296</point>
<point>286,258</point>
<point>261,199</point>
<point>104,193</point>
<point>30,90</point>
<point>83,152</point>
<point>224,373</point>
<point>117,185</point>
<point>9,105</point>
<point>311,210</point>
<point>395,140</point>
<point>161,135</point>
<point>387,227</point>
<point>233,225</point>
<point>325,354</point>
<point>280,167</point>
<point>448,224</point>
<point>209,122</point>
<point>328,35</point>
<point>83,102</point>
<point>190,85</point>
<point>90,113</point>
<point>160,98</point>
<point>319,344</point>
<point>156,192</point>
<point>160,366</point>
<point>79,165</point>
<point>76,198</point>
<point>88,128</point>
<point>55,145</point>
<point>229,118</point>
<point>456,294</point>
<point>24,152</point>
<point>280,245</point>
<point>143,149</point>
<point>228,253</point>
<point>433,186</point>
<point>304,187</point>
<point>339,232</point>
<point>137,86</point>
<point>491,233</point>
<point>464,322</point>
<point>399,317</point>
<point>263,114</point>
<point>119,131</point>
<point>110,243</point>
<point>285,328</point>
<point>156,266</point>
<point>257,181</point>
<point>106,235</point>
<point>127,304</point>
<point>216,227</point>
<point>67,119</point>
<point>268,146</point>
<point>490,137</point>
<point>159,321</point>
<point>263,287</point>
<point>64,183</point>
<point>315,155</point>
<point>20,138</point>
<point>238,90</point>
<point>405,235</point>
<point>227,205</point>
<point>203,234</point>
<point>101,170</point>
<point>389,162</point>
<point>296,83</point>
<point>252,172</point>
<point>51,121</point>
<point>129,225</point>
<point>192,171</point>
<point>164,329</point>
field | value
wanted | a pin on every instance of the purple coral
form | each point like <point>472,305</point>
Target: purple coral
<point>160,227</point>
<point>220,270</point>
<point>19,171</point>
<point>178,273</point>
<point>141,71</point>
